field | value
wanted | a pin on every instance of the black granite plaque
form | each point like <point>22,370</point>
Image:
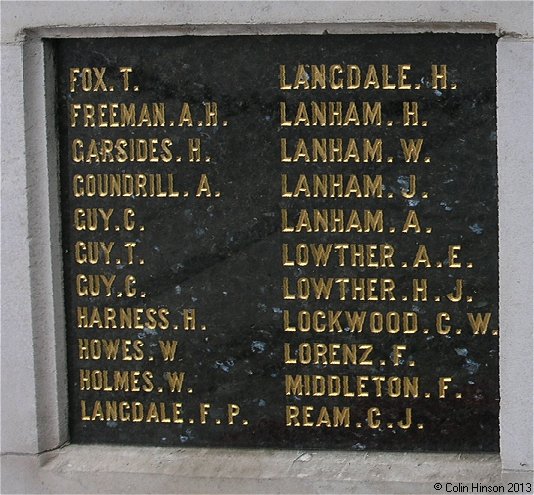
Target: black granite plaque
<point>281,241</point>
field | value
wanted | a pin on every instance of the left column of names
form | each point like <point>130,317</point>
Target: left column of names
<point>126,160</point>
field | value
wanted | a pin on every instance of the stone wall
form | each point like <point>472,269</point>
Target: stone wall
<point>33,366</point>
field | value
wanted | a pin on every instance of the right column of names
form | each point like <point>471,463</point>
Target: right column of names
<point>369,282</point>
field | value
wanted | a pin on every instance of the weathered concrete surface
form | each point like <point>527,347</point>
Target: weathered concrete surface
<point>98,469</point>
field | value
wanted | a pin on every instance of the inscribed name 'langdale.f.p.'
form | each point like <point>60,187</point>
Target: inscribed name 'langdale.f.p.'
<point>281,241</point>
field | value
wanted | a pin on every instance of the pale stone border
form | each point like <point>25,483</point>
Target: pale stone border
<point>33,346</point>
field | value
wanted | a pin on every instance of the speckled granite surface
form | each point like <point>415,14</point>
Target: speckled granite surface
<point>224,254</point>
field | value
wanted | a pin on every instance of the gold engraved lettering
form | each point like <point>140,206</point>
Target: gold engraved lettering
<point>412,222</point>
<point>422,257</point>
<point>330,150</point>
<point>110,349</point>
<point>123,317</point>
<point>420,289</point>
<point>332,186</point>
<point>352,386</point>
<point>117,380</point>
<point>334,220</point>
<point>87,79</point>
<point>479,322</point>
<point>135,412</point>
<point>335,354</point>
<point>94,285</point>
<point>92,218</point>
<point>439,76</point>
<point>331,113</point>
<point>337,76</point>
<point>117,115</point>
<point>411,149</point>
<point>320,321</point>
<point>93,252</point>
<point>121,150</point>
<point>124,185</point>
<point>340,254</point>
<point>355,289</point>
<point>453,255</point>
<point>312,416</point>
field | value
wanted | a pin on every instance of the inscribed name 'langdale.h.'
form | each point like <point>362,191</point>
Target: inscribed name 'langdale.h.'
<point>281,241</point>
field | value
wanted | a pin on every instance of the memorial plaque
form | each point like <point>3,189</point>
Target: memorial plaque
<point>281,241</point>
